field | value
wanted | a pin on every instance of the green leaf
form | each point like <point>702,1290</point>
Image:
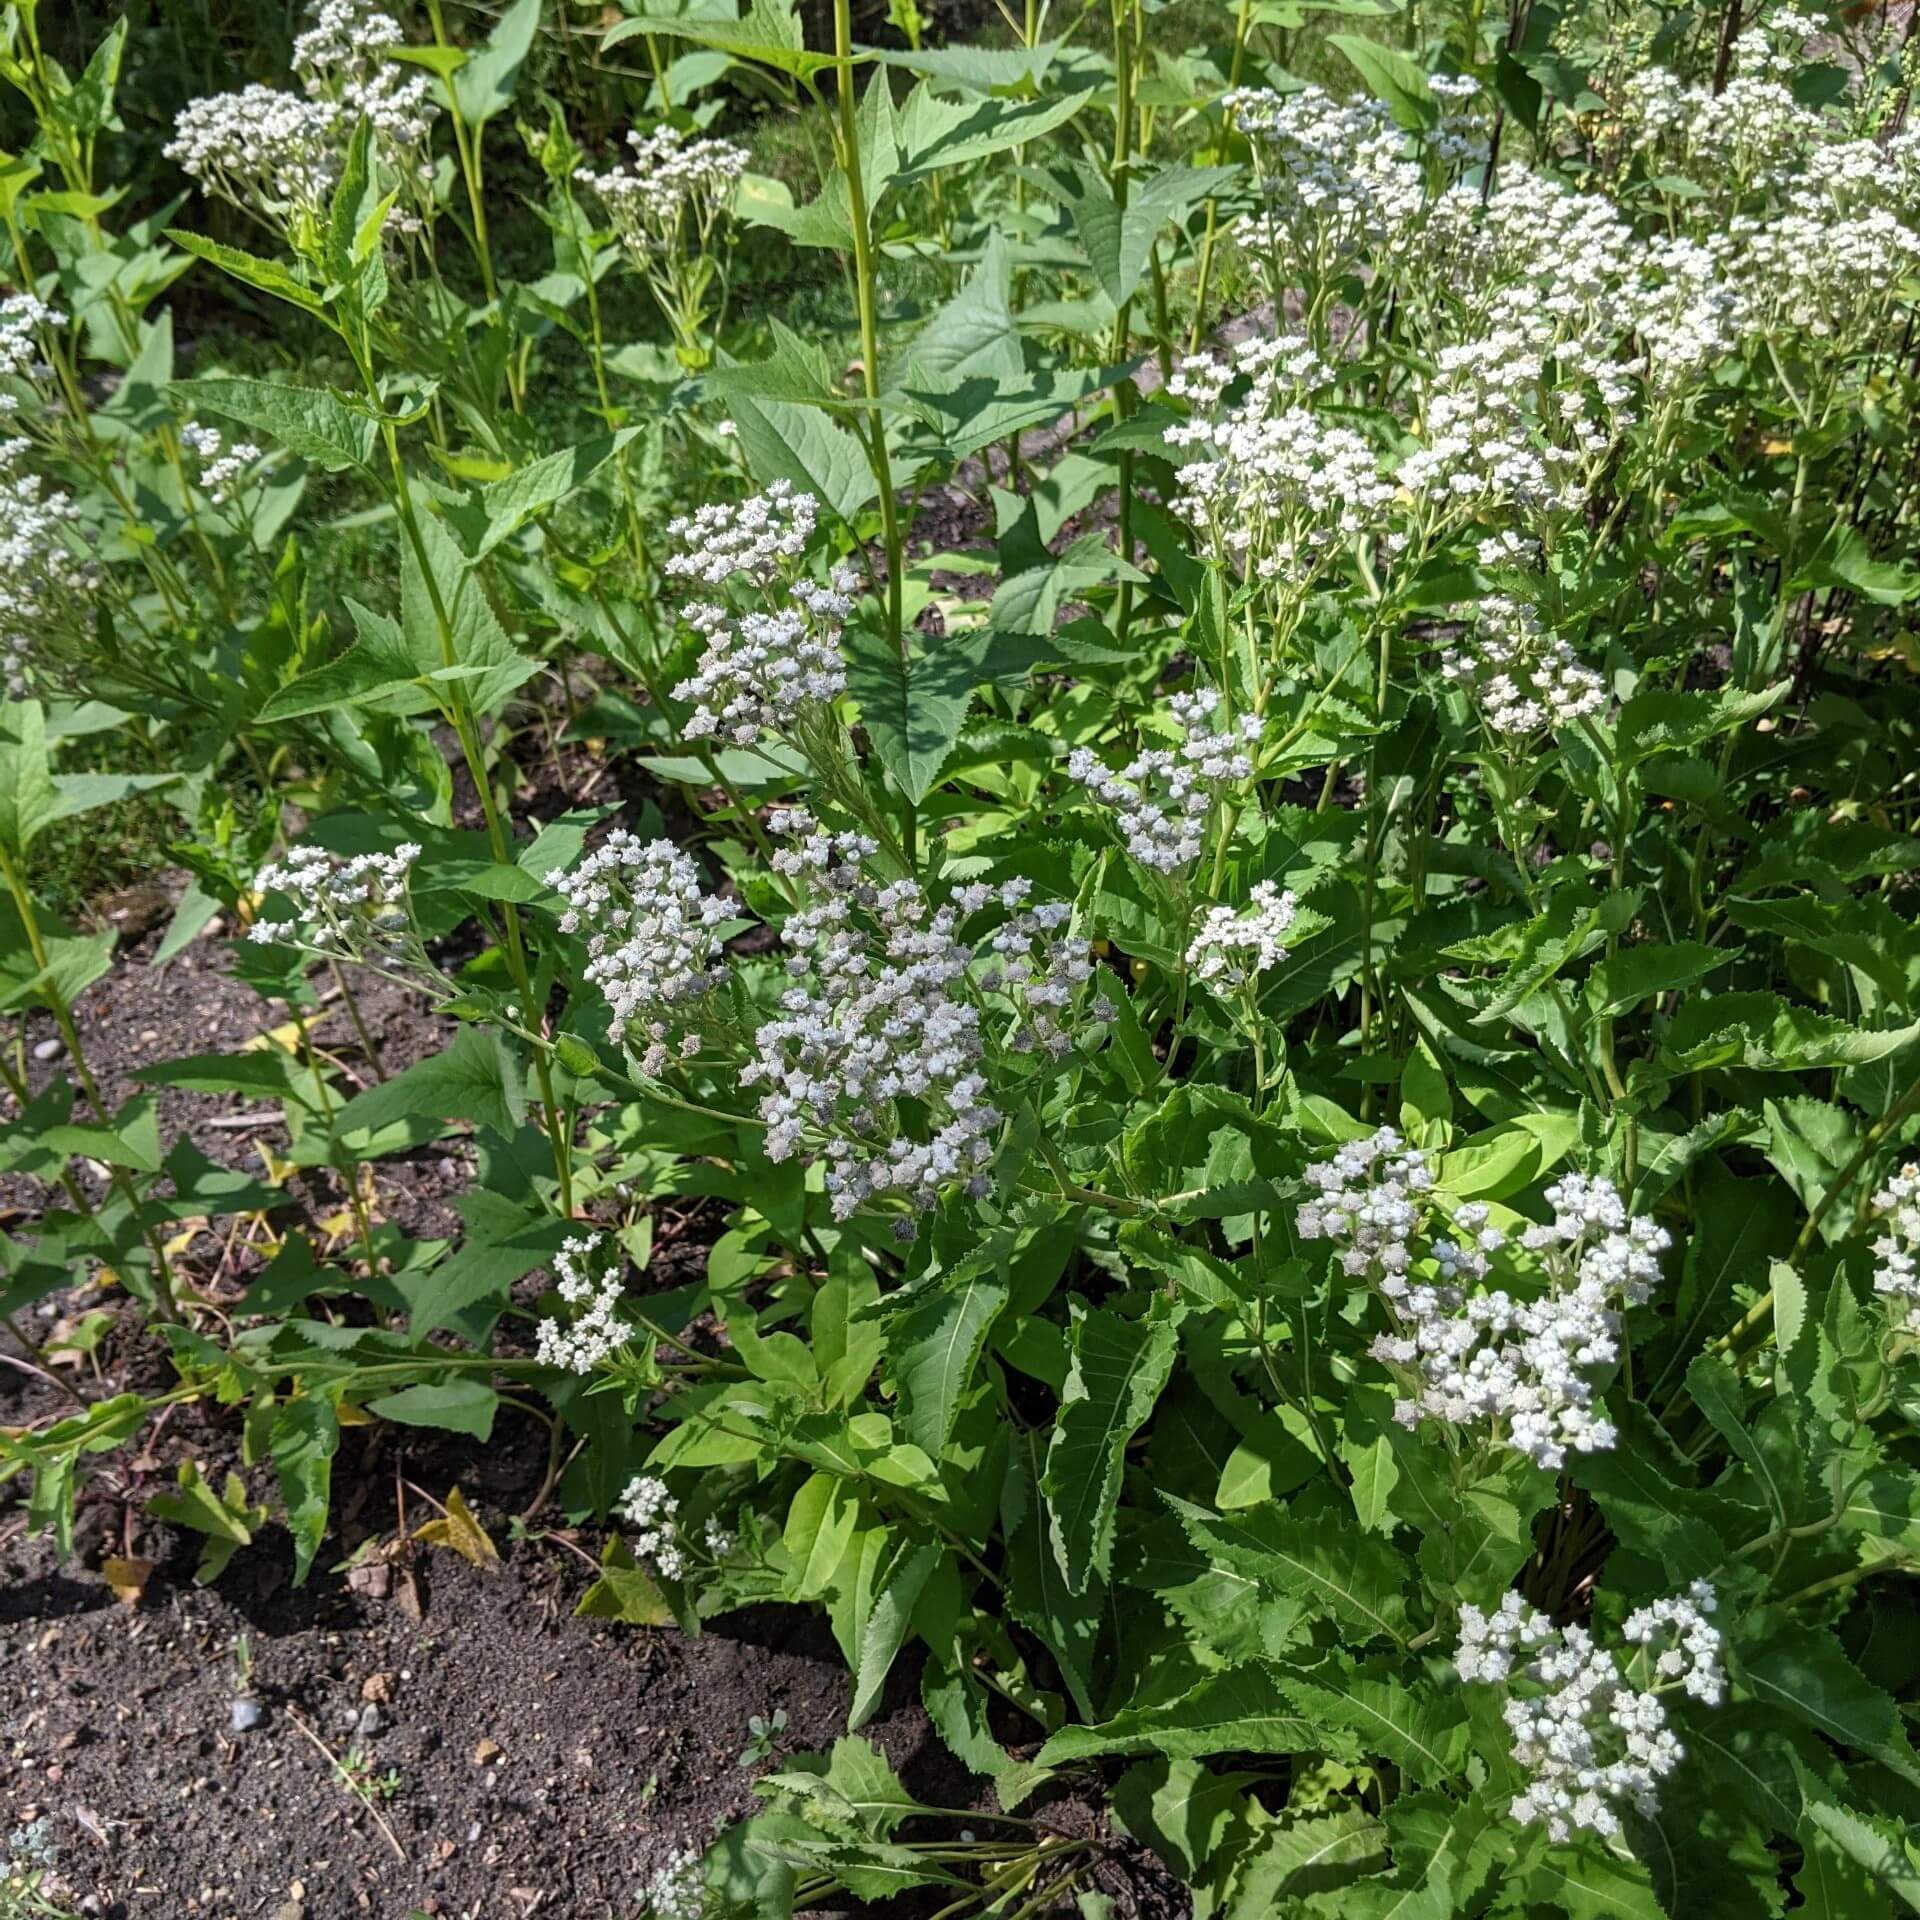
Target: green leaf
<point>1119,240</point>
<point>460,1405</point>
<point>1655,723</point>
<point>268,276</point>
<point>769,34</point>
<point>483,85</point>
<point>1391,76</point>
<point>310,421</point>
<point>937,1347</point>
<point>502,509</point>
<point>784,440</point>
<point>1631,975</point>
<point>1883,1848</point>
<point>1117,1371</point>
<point>1427,1739</point>
<point>27,796</point>
<point>476,1079</point>
<point>624,1591</point>
<point>1804,1670</point>
<point>1245,1710</point>
<point>888,1586</point>
<point>1764,1032</point>
<point>936,133</point>
<point>1353,1576</point>
<point>302,1441</point>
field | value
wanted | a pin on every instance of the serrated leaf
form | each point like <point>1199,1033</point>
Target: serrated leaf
<point>1117,1371</point>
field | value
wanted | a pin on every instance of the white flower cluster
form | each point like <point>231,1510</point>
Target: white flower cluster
<point>1276,485</point>
<point>671,175</point>
<point>1482,442</point>
<point>1519,1367</point>
<point>650,931</point>
<point>763,672</point>
<point>42,578</point>
<point>888,1005</point>
<point>1519,676</point>
<point>587,1276</point>
<point>275,154</point>
<point>678,1891</point>
<point>649,1506</point>
<point>1336,178</point>
<point>1369,1200</point>
<point>23,318</point>
<point>341,905</point>
<point>1232,944</point>
<point>760,537</point>
<point>1588,1734</point>
<point>1162,797</point>
<point>221,465</point>
<point>269,152</point>
<point>1898,1275</point>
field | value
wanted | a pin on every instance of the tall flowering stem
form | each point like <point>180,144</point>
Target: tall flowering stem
<point>847,155</point>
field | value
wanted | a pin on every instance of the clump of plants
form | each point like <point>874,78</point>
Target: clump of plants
<point>1261,891</point>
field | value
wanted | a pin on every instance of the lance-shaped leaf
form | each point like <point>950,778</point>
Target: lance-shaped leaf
<point>938,1343</point>
<point>1119,240</point>
<point>1244,1710</point>
<point>1116,1374</point>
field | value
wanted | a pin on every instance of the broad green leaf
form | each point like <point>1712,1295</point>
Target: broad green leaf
<point>462,1404</point>
<point>310,421</point>
<point>507,505</point>
<point>1803,1670</point>
<point>476,1079</point>
<point>768,34</point>
<point>1393,77</point>
<point>267,276</point>
<point>483,82</point>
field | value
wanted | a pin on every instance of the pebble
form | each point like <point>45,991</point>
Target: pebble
<point>247,1714</point>
<point>370,1720</point>
<point>50,1049</point>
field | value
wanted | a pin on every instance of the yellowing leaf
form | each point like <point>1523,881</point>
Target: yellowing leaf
<point>459,1530</point>
<point>127,1577</point>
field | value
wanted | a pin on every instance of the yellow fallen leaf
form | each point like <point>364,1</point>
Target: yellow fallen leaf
<point>286,1037</point>
<point>127,1577</point>
<point>459,1530</point>
<point>351,1416</point>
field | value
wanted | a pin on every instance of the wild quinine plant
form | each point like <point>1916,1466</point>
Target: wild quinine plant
<point>1260,897</point>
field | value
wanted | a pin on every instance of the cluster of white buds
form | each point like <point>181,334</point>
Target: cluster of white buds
<point>1592,1734</point>
<point>659,1539</point>
<point>1162,797</point>
<point>354,905</point>
<point>1276,486</point>
<point>673,190</point>
<point>678,1891</point>
<point>1233,944</point>
<point>889,1005</point>
<point>23,319</point>
<point>221,465</point>
<point>269,152</point>
<point>651,935</point>
<point>1898,1248</point>
<point>1336,178</point>
<point>762,537</point>
<point>764,672</point>
<point>1481,444</point>
<point>1518,1367</point>
<point>588,1276</point>
<point>1369,1200</point>
<point>649,1507</point>
<point>1520,677</point>
<point>1816,272</point>
<point>275,154</point>
<point>42,578</point>
<point>343,60</point>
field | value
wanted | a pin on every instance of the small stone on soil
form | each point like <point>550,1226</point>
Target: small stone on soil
<point>49,1049</point>
<point>247,1714</point>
